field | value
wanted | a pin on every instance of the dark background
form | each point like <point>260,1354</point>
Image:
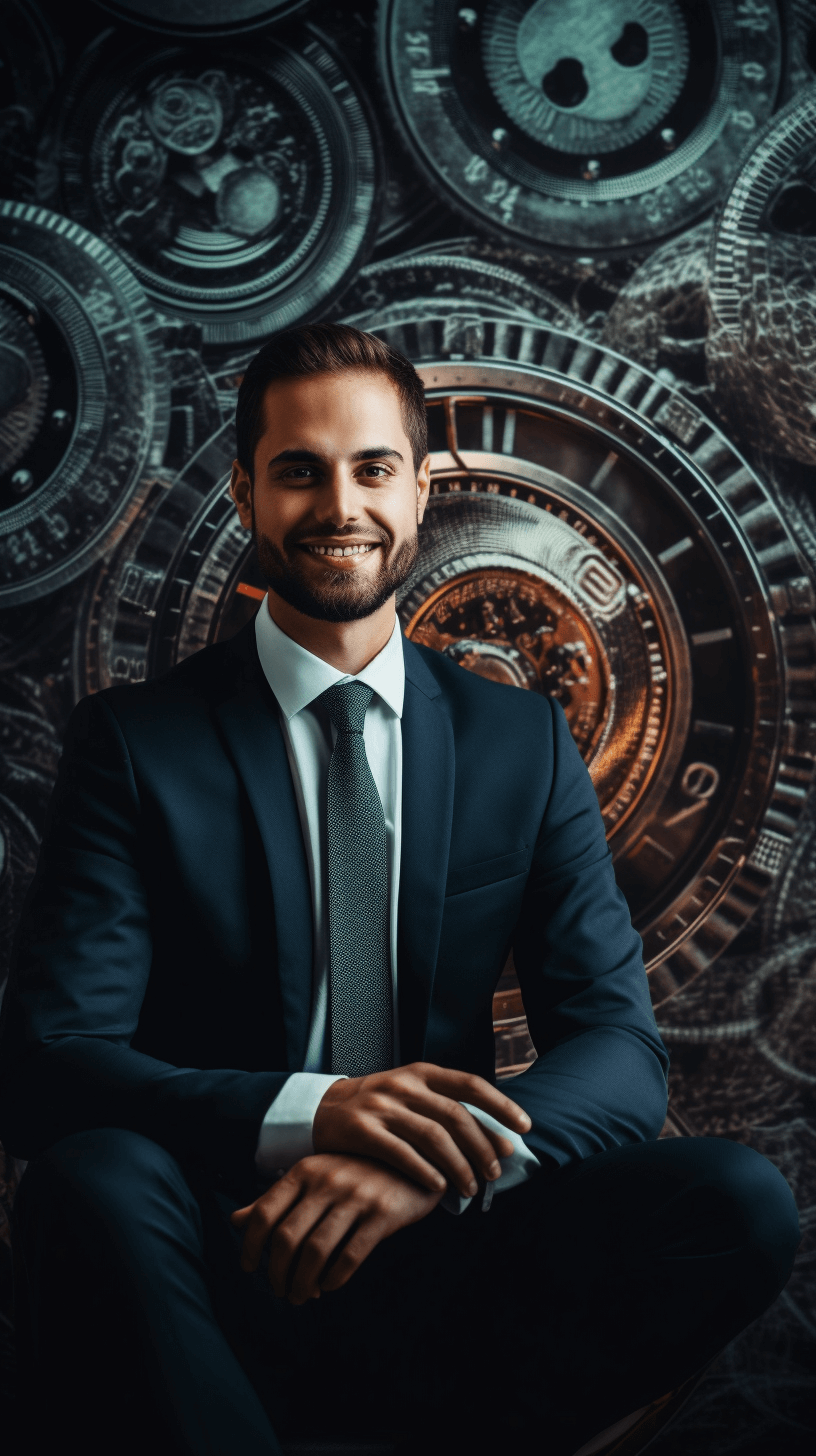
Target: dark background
<point>646,280</point>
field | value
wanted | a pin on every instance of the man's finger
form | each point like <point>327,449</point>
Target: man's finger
<point>467,1087</point>
<point>388,1147</point>
<point>265,1213</point>
<point>480,1146</point>
<point>317,1249</point>
<point>430,1136</point>
<point>290,1233</point>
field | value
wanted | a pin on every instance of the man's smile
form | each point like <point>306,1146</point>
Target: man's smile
<point>361,548</point>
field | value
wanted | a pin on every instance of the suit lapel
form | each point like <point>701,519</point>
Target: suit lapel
<point>427,813</point>
<point>251,726</point>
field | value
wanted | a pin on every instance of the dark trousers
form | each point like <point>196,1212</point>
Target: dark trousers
<point>579,1297</point>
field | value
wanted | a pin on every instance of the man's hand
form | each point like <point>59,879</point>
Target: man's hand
<point>411,1118</point>
<point>328,1210</point>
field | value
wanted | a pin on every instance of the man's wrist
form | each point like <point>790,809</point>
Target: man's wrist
<point>286,1131</point>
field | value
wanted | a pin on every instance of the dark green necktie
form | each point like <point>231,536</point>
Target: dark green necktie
<point>360,975</point>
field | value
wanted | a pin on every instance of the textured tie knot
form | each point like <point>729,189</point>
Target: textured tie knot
<point>346,704</point>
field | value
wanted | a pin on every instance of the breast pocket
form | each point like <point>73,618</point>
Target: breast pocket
<point>487,872</point>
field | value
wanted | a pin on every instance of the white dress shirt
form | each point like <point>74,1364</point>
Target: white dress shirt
<point>297,678</point>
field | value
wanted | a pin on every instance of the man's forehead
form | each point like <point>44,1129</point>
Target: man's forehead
<point>332,415</point>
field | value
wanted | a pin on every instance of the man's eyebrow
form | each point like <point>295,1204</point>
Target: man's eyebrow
<point>310,457</point>
<point>284,456</point>
<point>377,452</point>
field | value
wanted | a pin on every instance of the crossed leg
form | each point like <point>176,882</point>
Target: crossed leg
<point>579,1297</point>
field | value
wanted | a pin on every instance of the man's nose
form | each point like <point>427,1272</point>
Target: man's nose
<point>337,501</point>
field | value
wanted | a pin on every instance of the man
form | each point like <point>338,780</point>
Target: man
<point>249,1052</point>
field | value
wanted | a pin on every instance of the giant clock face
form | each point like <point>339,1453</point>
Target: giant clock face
<point>580,126</point>
<point>591,535</point>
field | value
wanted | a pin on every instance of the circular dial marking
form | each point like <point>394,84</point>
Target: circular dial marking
<point>466,290</point>
<point>239,182</point>
<point>85,411</point>
<point>516,628</point>
<point>565,136</point>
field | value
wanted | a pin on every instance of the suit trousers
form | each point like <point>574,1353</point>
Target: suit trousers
<point>580,1296</point>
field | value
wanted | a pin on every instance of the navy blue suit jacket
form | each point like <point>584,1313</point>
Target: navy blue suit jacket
<point>164,971</point>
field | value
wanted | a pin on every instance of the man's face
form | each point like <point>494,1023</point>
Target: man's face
<point>336,502</point>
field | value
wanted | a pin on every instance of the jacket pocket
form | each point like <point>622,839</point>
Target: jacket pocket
<point>487,872</point>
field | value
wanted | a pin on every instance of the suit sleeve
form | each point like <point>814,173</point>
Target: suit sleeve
<point>81,970</point>
<point>600,1078</point>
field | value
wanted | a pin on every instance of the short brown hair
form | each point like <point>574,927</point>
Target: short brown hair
<point>326,349</point>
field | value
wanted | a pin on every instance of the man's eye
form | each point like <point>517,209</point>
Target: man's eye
<point>300,472</point>
<point>376,470</point>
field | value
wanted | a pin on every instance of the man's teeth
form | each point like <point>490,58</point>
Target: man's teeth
<point>341,550</point>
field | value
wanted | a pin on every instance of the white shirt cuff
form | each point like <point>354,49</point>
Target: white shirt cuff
<point>516,1169</point>
<point>286,1131</point>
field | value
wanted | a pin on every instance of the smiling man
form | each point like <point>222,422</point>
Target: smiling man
<point>248,1044</point>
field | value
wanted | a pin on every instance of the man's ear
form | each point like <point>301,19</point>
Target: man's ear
<point>241,492</point>
<point>423,487</point>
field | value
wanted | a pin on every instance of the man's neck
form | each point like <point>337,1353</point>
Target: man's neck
<point>348,646</point>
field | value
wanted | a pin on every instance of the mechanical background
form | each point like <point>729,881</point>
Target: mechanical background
<point>593,228</point>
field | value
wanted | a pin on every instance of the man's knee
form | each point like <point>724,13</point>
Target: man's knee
<point>102,1176</point>
<point>757,1207</point>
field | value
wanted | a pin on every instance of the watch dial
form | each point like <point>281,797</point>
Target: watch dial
<point>571,125</point>
<point>84,400</point>
<point>239,182</point>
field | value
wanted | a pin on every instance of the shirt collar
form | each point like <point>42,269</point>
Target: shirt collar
<point>297,677</point>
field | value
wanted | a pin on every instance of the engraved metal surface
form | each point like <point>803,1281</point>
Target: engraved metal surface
<point>799,24</point>
<point>436,283</point>
<point>660,316</point>
<point>513,626</point>
<point>84,400</point>
<point>575,126</point>
<point>586,78</point>
<point>195,404</point>
<point>238,181</point>
<point>761,351</point>
<point>558,599</point>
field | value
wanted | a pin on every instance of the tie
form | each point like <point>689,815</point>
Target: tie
<point>360,977</point>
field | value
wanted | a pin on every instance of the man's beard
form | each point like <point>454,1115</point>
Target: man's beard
<point>341,596</point>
